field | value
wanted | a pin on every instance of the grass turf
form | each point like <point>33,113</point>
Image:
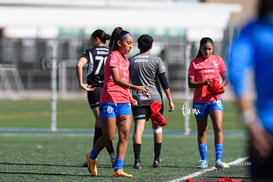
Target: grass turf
<point>59,157</point>
<point>76,114</point>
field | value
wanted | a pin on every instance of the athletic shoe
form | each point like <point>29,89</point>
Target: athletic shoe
<point>112,159</point>
<point>226,165</point>
<point>203,164</point>
<point>156,164</point>
<point>85,164</point>
<point>137,164</point>
<point>121,173</point>
<point>92,167</point>
<point>220,165</point>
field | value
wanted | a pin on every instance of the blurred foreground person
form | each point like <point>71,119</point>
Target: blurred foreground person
<point>95,58</point>
<point>207,74</point>
<point>148,70</point>
<point>252,51</point>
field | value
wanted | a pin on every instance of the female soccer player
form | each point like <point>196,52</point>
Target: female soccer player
<point>203,69</point>
<point>252,50</point>
<point>95,58</point>
<point>115,107</point>
<point>147,70</point>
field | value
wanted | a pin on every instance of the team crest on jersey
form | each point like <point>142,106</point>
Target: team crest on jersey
<point>215,65</point>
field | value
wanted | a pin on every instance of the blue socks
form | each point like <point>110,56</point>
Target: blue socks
<point>93,154</point>
<point>218,151</point>
<point>203,151</point>
<point>118,164</point>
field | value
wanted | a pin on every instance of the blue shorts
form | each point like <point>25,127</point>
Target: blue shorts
<point>112,110</point>
<point>201,110</point>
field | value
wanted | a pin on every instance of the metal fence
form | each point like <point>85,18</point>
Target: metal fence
<point>32,58</point>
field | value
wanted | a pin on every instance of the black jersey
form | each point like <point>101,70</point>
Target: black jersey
<point>96,59</point>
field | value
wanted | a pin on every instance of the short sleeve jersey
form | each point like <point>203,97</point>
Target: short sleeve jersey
<point>202,70</point>
<point>111,92</point>
<point>95,71</point>
<point>252,51</point>
<point>144,70</point>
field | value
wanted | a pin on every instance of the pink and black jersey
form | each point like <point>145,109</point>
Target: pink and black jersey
<point>201,70</point>
<point>111,92</point>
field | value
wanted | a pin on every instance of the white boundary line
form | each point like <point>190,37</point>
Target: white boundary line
<point>207,170</point>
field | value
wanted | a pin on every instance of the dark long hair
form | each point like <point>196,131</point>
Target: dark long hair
<point>117,33</point>
<point>101,35</point>
<point>203,41</point>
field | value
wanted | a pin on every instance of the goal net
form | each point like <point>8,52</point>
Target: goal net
<point>11,86</point>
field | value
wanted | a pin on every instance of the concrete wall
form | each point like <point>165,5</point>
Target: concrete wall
<point>248,10</point>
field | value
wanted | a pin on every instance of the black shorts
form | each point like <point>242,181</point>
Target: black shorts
<point>144,112</point>
<point>260,169</point>
<point>94,97</point>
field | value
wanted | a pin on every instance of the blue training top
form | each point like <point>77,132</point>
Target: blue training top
<point>253,48</point>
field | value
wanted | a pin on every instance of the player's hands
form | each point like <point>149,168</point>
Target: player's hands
<point>145,91</point>
<point>88,87</point>
<point>133,101</point>
<point>171,105</point>
<point>221,86</point>
<point>208,81</point>
<point>142,88</point>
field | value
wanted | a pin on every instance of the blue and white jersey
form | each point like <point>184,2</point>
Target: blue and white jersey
<point>253,50</point>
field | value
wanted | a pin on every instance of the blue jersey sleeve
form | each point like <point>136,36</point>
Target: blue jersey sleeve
<point>241,59</point>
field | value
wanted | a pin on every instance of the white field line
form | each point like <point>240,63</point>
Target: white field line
<point>207,170</point>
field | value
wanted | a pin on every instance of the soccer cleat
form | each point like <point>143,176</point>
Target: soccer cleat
<point>220,165</point>
<point>226,165</point>
<point>121,173</point>
<point>203,164</point>
<point>137,164</point>
<point>156,164</point>
<point>92,166</point>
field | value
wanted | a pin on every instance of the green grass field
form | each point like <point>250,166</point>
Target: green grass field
<point>77,115</point>
<point>45,156</point>
<point>59,157</point>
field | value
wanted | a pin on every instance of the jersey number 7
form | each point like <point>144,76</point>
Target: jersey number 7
<point>101,60</point>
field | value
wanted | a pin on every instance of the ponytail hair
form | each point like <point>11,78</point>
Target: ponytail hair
<point>203,41</point>
<point>117,34</point>
<point>101,35</point>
